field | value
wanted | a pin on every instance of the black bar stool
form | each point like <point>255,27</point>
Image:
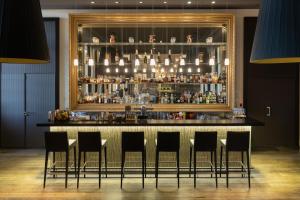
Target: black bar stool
<point>236,142</point>
<point>59,142</point>
<point>133,142</point>
<point>204,142</point>
<point>167,142</point>
<point>91,142</point>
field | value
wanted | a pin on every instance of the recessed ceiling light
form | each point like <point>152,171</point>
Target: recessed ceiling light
<point>213,2</point>
<point>140,2</point>
<point>117,2</point>
<point>165,2</point>
<point>93,2</point>
<point>189,2</point>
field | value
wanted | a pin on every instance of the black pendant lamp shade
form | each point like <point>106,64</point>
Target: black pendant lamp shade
<point>22,32</point>
<point>277,36</point>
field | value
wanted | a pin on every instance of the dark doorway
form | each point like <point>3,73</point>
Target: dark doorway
<point>271,94</point>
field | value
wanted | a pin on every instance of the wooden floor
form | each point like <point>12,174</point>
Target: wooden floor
<point>276,175</point>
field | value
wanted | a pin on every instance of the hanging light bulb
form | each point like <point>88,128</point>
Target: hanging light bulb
<point>91,62</point>
<point>180,70</point>
<point>106,62</point>
<point>162,70</point>
<point>167,61</point>
<point>189,70</point>
<point>152,60</point>
<point>137,60</point>
<point>182,61</point>
<point>126,70</point>
<point>135,70</point>
<point>198,70</point>
<point>144,70</point>
<point>172,70</point>
<point>197,61</point>
<point>226,61</point>
<point>121,62</point>
<point>76,62</point>
<point>117,70</point>
<point>212,61</point>
<point>153,70</point>
<point>107,70</point>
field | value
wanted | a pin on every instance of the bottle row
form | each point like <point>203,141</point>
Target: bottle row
<point>207,78</point>
<point>187,97</point>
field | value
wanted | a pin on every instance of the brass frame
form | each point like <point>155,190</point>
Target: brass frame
<point>145,18</point>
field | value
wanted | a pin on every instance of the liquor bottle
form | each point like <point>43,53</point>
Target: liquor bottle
<point>117,57</point>
<point>170,56</point>
<point>145,58</point>
<point>158,58</point>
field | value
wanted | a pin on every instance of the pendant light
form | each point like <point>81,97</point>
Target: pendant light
<point>22,33</point>
<point>277,35</point>
<point>121,62</point>
<point>91,62</point>
<point>226,62</point>
<point>182,61</point>
<point>152,60</point>
<point>137,60</point>
<point>212,61</point>
<point>76,62</point>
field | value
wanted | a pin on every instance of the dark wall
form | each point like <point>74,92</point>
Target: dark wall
<point>275,86</point>
<point>14,79</point>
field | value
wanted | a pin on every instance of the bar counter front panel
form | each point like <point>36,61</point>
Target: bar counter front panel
<point>187,128</point>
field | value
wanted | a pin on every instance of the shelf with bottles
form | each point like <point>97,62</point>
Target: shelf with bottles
<point>170,79</point>
<point>187,97</point>
<point>186,61</point>
<point>198,44</point>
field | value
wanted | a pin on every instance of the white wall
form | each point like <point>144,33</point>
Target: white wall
<point>64,47</point>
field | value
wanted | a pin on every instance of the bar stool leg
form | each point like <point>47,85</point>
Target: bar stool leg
<point>195,168</point>
<point>143,168</point>
<point>84,163</point>
<point>216,168</point>
<point>221,156</point>
<point>53,163</point>
<point>105,154</point>
<point>227,170</point>
<point>178,168</point>
<point>45,169</point>
<point>100,165</point>
<point>145,161</point>
<point>190,170</point>
<point>242,158</point>
<point>211,163</point>
<point>67,168</point>
<point>78,172</point>
<point>249,173</point>
<point>75,161</point>
<point>122,168</point>
<point>156,167</point>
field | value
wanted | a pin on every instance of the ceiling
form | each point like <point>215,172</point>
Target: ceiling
<point>122,4</point>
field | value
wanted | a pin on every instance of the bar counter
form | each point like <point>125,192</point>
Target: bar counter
<point>220,122</point>
<point>187,128</point>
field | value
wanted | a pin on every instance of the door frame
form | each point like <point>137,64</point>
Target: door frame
<point>245,86</point>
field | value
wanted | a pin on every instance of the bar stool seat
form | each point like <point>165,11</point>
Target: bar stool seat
<point>204,142</point>
<point>236,142</point>
<point>133,142</point>
<point>91,142</point>
<point>58,142</point>
<point>167,142</point>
